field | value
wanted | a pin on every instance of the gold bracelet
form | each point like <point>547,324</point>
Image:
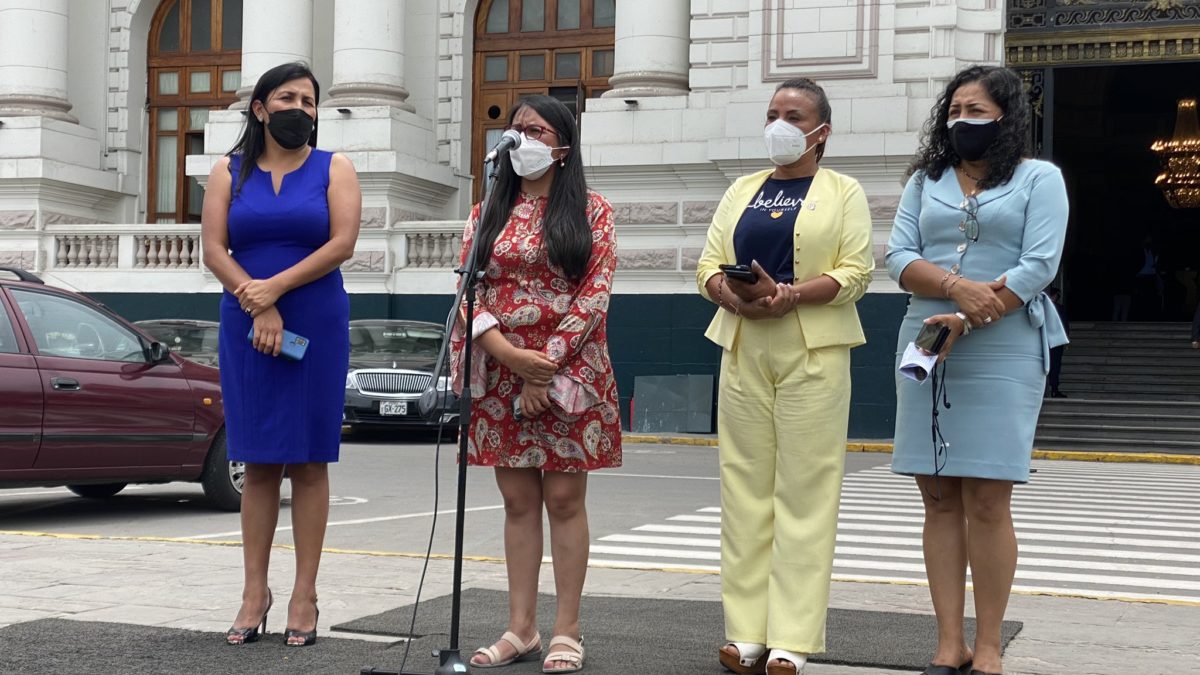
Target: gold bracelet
<point>949,288</point>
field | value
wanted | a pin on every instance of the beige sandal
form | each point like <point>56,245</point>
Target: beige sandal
<point>574,658</point>
<point>523,651</point>
<point>751,658</point>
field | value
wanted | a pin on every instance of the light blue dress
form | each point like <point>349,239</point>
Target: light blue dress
<point>995,377</point>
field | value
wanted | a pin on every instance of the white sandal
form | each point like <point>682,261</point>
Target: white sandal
<point>574,658</point>
<point>523,651</point>
<point>751,657</point>
<point>797,661</point>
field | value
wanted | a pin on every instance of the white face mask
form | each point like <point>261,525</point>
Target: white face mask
<point>786,143</point>
<point>532,159</point>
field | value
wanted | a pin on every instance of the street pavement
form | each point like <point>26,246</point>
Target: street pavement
<point>1109,580</point>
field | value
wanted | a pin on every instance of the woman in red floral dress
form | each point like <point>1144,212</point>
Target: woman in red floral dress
<point>541,349</point>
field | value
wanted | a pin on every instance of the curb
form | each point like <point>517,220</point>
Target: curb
<point>886,447</point>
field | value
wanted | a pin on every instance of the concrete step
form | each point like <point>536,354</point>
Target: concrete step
<point>1187,436</point>
<point>1130,326</point>
<point>1083,405</point>
<point>1138,380</point>
<point>1147,420</point>
<point>1180,345</point>
<point>1125,395</point>
<point>1093,358</point>
<point>1052,442</point>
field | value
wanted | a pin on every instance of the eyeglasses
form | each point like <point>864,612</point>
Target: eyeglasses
<point>970,221</point>
<point>533,132</point>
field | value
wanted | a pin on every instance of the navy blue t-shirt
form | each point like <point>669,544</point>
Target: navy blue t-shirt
<point>767,226</point>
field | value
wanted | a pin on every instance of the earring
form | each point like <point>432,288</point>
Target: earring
<point>562,162</point>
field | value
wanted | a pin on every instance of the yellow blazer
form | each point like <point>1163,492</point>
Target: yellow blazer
<point>833,237</point>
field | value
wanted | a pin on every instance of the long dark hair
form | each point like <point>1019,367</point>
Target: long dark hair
<point>568,235</point>
<point>1005,153</point>
<point>253,139</point>
<point>818,95</point>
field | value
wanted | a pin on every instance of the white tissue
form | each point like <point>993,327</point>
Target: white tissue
<point>916,364</point>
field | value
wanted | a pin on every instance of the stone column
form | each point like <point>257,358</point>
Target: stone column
<point>33,59</point>
<point>368,55</point>
<point>651,49</point>
<point>273,32</point>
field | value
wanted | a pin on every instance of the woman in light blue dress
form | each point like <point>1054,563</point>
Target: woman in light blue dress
<point>978,235</point>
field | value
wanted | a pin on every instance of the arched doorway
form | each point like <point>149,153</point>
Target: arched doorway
<point>194,61</point>
<point>560,48</point>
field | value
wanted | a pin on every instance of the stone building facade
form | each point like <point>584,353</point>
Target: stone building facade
<point>93,194</point>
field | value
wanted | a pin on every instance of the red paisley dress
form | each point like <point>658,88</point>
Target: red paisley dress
<point>537,307</point>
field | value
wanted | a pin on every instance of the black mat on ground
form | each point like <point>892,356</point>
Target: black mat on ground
<point>664,636</point>
<point>62,646</point>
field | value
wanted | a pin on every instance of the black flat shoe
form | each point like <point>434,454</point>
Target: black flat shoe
<point>308,637</point>
<point>980,672</point>
<point>964,669</point>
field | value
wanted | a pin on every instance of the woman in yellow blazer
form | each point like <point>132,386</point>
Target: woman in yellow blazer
<point>784,400</point>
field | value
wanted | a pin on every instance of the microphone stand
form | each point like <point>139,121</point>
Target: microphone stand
<point>450,659</point>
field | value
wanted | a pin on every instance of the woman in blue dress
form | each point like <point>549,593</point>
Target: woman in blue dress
<point>280,217</point>
<point>978,235</point>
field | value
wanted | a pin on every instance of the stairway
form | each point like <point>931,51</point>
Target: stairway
<point>1133,387</point>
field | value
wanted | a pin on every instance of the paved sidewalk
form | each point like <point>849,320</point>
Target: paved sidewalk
<point>196,586</point>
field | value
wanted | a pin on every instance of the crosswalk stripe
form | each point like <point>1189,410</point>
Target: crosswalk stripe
<point>1189,497</point>
<point>917,555</point>
<point>1089,531</point>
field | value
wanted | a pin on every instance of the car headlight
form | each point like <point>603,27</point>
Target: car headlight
<point>351,381</point>
<point>443,383</point>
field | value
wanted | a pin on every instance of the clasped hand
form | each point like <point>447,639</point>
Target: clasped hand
<point>763,299</point>
<point>268,332</point>
<point>530,365</point>
<point>257,295</point>
<point>979,300</point>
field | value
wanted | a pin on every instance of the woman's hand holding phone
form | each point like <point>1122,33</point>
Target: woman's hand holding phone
<point>956,327</point>
<point>762,287</point>
<point>268,331</point>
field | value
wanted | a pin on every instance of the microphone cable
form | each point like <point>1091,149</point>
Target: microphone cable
<point>437,456</point>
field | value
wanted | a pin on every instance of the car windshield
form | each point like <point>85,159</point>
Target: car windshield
<point>395,340</point>
<point>185,339</point>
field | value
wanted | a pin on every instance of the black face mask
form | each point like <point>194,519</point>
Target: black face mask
<point>971,141</point>
<point>290,128</point>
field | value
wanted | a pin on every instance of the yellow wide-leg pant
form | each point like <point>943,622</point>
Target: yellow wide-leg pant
<point>782,416</point>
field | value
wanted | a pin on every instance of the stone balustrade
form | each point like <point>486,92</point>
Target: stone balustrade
<point>656,253</point>
<point>171,251</point>
<point>85,251</point>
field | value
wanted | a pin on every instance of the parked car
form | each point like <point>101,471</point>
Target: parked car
<point>391,363</point>
<point>193,339</point>
<point>91,402</point>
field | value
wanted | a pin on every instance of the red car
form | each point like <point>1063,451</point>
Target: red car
<point>91,402</point>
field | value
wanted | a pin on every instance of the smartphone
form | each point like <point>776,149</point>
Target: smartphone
<point>742,273</point>
<point>932,337</point>
<point>293,348</point>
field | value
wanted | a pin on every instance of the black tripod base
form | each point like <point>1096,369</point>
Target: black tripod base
<point>450,663</point>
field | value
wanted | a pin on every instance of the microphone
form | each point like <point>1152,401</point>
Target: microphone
<point>509,141</point>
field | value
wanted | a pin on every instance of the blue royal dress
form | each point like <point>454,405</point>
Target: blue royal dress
<point>279,411</point>
<point>995,377</point>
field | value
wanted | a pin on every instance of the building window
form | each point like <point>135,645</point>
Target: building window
<point>194,62</point>
<point>560,48</point>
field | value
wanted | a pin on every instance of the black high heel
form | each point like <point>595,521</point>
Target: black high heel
<point>309,637</point>
<point>240,636</point>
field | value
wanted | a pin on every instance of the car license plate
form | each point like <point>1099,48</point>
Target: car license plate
<point>393,408</point>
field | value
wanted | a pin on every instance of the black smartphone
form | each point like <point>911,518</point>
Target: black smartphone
<point>932,337</point>
<point>742,273</point>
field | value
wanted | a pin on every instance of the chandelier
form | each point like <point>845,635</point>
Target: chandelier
<point>1180,157</point>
